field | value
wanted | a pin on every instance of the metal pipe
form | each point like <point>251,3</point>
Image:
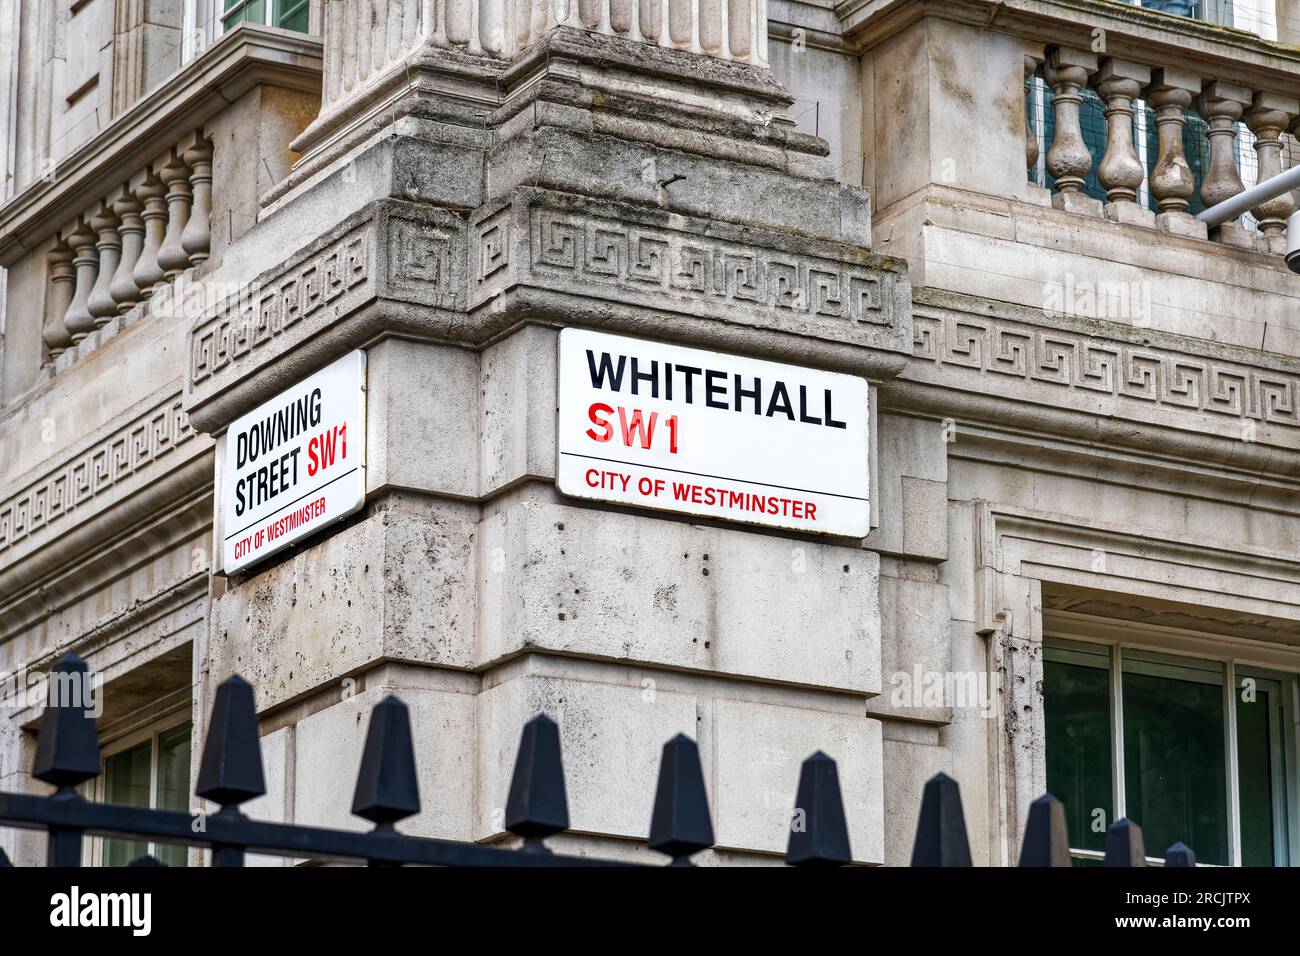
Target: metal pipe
<point>1261,192</point>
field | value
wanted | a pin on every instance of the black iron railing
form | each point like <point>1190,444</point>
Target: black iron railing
<point>387,792</point>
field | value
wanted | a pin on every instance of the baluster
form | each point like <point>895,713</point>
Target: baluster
<point>171,255</point>
<point>1222,104</point>
<point>148,273</point>
<point>1172,183</point>
<point>101,304</point>
<point>1032,63</point>
<point>230,771</point>
<point>63,280</point>
<point>79,322</point>
<point>1068,159</point>
<point>1120,172</point>
<point>197,237</point>
<point>1267,117</point>
<point>67,749</point>
<point>122,288</point>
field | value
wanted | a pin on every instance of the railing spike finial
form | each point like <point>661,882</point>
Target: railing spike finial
<point>537,806</point>
<point>230,771</point>
<point>1124,845</point>
<point>1047,841</point>
<point>941,838</point>
<point>67,746</point>
<point>387,787</point>
<point>819,834</point>
<point>1180,854</point>
<point>680,824</point>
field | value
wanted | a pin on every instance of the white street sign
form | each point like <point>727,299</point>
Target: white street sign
<point>705,433</point>
<point>294,464</point>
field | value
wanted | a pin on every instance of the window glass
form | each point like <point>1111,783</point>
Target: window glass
<point>1076,701</point>
<point>238,10</point>
<point>292,14</point>
<point>1177,768</point>
<point>126,781</point>
<point>1174,757</point>
<point>173,787</point>
<point>153,773</point>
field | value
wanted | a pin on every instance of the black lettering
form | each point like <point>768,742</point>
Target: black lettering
<point>756,394</point>
<point>711,390</point>
<point>651,376</point>
<point>606,371</point>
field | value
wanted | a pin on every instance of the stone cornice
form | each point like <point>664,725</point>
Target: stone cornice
<point>399,268</point>
<point>243,58</point>
<point>127,460</point>
<point>1131,32</point>
<point>1101,383</point>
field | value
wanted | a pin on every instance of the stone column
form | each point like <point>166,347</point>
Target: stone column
<point>171,255</point>
<point>1120,172</point>
<point>101,304</point>
<point>1172,183</point>
<point>1269,115</point>
<point>79,321</point>
<point>123,289</point>
<point>148,272</point>
<point>1068,159</point>
<point>1222,104</point>
<point>63,281</point>
<point>197,237</point>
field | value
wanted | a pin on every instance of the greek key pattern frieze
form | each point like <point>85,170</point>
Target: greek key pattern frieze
<point>1123,370</point>
<point>268,310</point>
<point>613,252</point>
<point>89,473</point>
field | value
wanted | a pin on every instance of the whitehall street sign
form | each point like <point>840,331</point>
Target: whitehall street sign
<point>705,433</point>
<point>294,464</point>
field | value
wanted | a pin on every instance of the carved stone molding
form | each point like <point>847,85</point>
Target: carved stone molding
<point>74,489</point>
<point>407,269</point>
<point>1103,374</point>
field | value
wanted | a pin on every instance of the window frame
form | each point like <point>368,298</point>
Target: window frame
<point>1237,656</point>
<point>93,846</point>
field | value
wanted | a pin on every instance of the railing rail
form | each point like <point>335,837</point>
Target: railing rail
<point>230,774</point>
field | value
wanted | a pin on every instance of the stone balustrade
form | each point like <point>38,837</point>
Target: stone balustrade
<point>1171,92</point>
<point>115,256</point>
<point>366,39</point>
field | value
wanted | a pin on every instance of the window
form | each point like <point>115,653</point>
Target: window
<point>146,769</point>
<point>289,14</point>
<point>1193,749</point>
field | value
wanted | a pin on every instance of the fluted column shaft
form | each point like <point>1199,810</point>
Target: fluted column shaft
<point>63,282</point>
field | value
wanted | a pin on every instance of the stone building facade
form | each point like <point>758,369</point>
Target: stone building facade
<point>1082,567</point>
